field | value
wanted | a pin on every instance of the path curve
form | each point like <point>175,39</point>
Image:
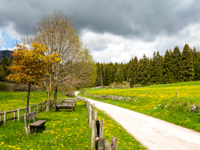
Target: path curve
<point>153,133</point>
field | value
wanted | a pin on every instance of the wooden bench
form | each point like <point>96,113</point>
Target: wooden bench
<point>33,127</point>
<point>67,103</point>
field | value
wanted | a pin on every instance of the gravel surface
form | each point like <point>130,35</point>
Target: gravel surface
<point>153,133</point>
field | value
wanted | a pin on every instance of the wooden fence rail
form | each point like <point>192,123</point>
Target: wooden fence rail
<point>16,112</point>
<point>98,131</point>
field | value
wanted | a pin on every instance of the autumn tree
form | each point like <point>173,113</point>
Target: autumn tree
<point>30,66</point>
<point>61,36</point>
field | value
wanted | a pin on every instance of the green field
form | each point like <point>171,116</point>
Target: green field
<point>64,129</point>
<point>160,101</point>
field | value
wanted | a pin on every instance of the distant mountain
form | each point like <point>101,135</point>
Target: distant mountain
<point>5,53</point>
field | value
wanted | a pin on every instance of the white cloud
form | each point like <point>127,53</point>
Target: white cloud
<point>107,47</point>
<point>12,34</point>
<point>1,39</point>
<point>11,31</point>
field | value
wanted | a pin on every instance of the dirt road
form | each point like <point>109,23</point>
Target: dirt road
<point>153,133</point>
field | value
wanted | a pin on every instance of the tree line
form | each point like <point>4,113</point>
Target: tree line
<point>57,58</point>
<point>174,66</point>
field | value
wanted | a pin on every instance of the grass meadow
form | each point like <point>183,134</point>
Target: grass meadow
<point>63,130</point>
<point>170,102</point>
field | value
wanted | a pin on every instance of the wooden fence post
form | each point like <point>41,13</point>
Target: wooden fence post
<point>101,143</point>
<point>90,116</point>
<point>107,145</point>
<point>86,104</point>
<point>14,114</point>
<point>114,143</point>
<point>95,115</point>
<point>93,141</point>
<point>18,114</point>
<point>101,131</point>
<point>5,115</point>
<point>88,112</point>
<point>37,108</point>
<point>176,92</point>
<point>29,109</point>
<point>26,124</point>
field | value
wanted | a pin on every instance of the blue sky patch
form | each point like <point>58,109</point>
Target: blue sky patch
<point>8,41</point>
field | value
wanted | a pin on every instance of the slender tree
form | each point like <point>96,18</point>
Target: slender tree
<point>61,36</point>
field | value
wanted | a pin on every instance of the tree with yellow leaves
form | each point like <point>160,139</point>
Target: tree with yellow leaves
<point>31,66</point>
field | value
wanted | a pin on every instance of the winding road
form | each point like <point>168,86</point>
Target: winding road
<point>153,133</point>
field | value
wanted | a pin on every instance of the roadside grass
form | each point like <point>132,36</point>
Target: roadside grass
<point>113,129</point>
<point>159,101</point>
<point>63,129</point>
<point>10,100</point>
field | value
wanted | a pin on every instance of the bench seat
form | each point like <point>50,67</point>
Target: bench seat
<point>66,104</point>
<point>37,124</point>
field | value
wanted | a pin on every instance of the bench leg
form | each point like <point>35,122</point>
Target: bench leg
<point>56,109</point>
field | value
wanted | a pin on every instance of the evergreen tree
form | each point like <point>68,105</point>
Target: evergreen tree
<point>119,78</point>
<point>133,71</point>
<point>99,79</point>
<point>176,62</point>
<point>112,72</point>
<point>168,76</point>
<point>187,64</point>
<point>196,60</point>
<point>197,66</point>
<point>106,78</point>
<point>156,68</point>
<point>153,68</point>
<point>2,73</point>
<point>144,74</point>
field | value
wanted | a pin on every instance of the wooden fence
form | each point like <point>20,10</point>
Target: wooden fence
<point>16,112</point>
<point>97,140</point>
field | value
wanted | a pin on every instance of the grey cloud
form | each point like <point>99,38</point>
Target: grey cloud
<point>135,18</point>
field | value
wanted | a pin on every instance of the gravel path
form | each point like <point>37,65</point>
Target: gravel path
<point>153,133</point>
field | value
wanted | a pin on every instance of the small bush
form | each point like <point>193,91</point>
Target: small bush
<point>70,93</point>
<point>3,86</point>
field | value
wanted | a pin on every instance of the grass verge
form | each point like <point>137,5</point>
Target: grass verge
<point>113,129</point>
<point>64,129</point>
<point>159,101</point>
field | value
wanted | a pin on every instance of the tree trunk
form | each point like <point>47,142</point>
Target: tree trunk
<point>55,95</point>
<point>48,99</point>
<point>48,94</point>
<point>29,90</point>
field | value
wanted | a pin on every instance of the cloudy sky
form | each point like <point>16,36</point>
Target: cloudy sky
<point>113,30</point>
